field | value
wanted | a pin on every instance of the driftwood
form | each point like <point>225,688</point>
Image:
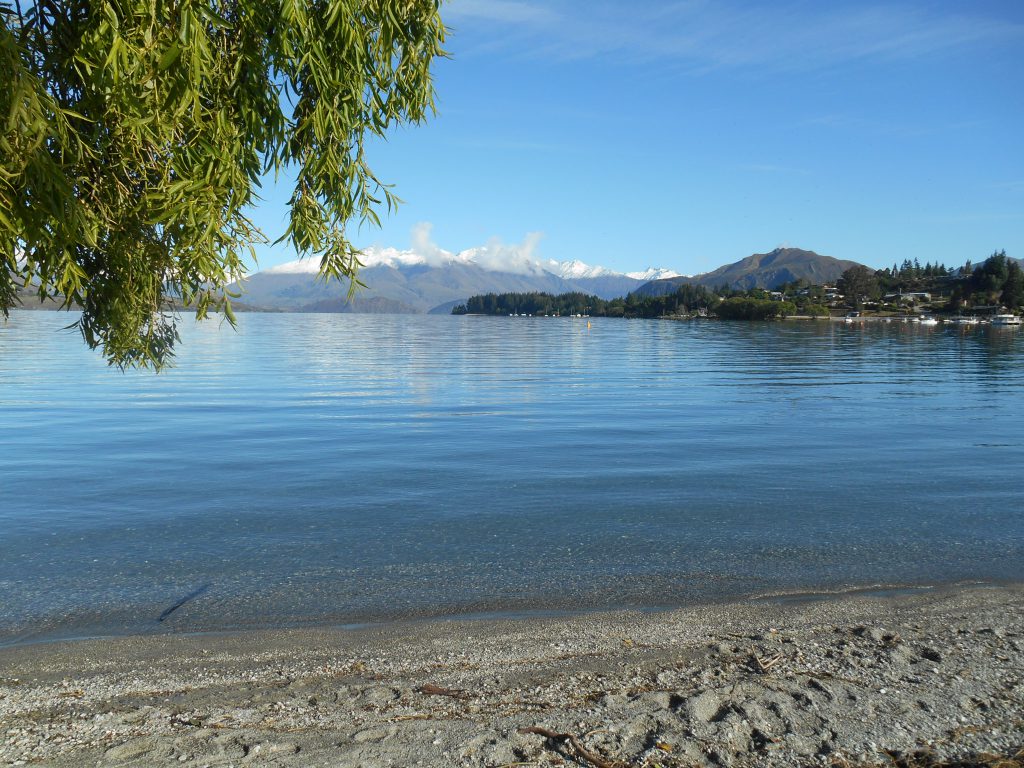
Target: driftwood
<point>577,745</point>
<point>436,690</point>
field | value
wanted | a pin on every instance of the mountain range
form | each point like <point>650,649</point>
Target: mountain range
<point>428,279</point>
<point>415,282</point>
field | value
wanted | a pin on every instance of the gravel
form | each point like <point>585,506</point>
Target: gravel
<point>815,682</point>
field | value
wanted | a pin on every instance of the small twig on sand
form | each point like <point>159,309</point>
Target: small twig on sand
<point>436,690</point>
<point>763,665</point>
<point>577,745</point>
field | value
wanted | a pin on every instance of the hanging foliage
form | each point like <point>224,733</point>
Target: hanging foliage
<point>134,135</point>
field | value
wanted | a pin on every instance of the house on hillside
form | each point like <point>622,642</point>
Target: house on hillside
<point>908,298</point>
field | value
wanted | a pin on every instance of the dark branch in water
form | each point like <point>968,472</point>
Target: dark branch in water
<point>190,596</point>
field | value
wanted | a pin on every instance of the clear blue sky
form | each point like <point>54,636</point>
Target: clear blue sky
<point>691,134</point>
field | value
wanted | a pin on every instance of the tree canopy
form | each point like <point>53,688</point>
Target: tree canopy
<point>750,308</point>
<point>136,133</point>
<point>858,283</point>
<point>998,279</point>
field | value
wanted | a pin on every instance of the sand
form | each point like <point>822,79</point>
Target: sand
<point>779,682</point>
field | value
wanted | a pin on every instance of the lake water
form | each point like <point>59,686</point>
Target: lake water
<point>333,469</point>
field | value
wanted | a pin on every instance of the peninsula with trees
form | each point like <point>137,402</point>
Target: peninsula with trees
<point>993,286</point>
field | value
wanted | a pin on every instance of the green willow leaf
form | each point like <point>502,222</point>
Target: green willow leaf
<point>134,135</point>
<point>171,55</point>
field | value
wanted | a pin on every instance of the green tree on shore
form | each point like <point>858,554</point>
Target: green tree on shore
<point>136,133</point>
<point>998,279</point>
<point>858,283</point>
<point>752,308</point>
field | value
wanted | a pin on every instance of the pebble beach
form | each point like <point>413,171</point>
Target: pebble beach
<point>861,678</point>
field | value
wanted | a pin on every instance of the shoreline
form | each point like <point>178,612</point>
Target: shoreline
<point>29,636</point>
<point>801,680</point>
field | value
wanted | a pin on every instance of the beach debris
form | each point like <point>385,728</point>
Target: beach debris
<point>576,744</point>
<point>927,759</point>
<point>435,690</point>
<point>187,721</point>
<point>763,665</point>
<point>190,596</point>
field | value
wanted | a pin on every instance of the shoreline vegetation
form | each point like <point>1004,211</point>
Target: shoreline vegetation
<point>993,287</point>
<point>929,678</point>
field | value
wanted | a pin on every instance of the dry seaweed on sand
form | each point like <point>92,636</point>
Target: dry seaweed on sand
<point>929,759</point>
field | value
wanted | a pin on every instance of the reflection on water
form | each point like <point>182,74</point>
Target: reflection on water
<point>338,468</point>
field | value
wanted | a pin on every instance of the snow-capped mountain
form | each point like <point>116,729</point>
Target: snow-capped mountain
<point>426,277</point>
<point>499,259</point>
<point>576,270</point>
<point>373,257</point>
<point>654,273</point>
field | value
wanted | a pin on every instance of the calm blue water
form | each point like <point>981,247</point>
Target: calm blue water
<point>344,468</point>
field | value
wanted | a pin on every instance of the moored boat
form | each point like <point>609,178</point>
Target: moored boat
<point>1005,320</point>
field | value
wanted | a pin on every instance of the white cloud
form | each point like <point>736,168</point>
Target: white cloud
<point>518,258</point>
<point>423,246</point>
<point>496,255</point>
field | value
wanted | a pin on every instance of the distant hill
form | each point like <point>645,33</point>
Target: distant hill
<point>761,270</point>
<point>26,298</point>
<point>372,305</point>
<point>601,282</point>
<point>608,286</point>
<point>446,308</point>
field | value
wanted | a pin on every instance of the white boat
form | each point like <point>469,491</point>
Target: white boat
<point>927,320</point>
<point>1005,320</point>
<point>966,320</point>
